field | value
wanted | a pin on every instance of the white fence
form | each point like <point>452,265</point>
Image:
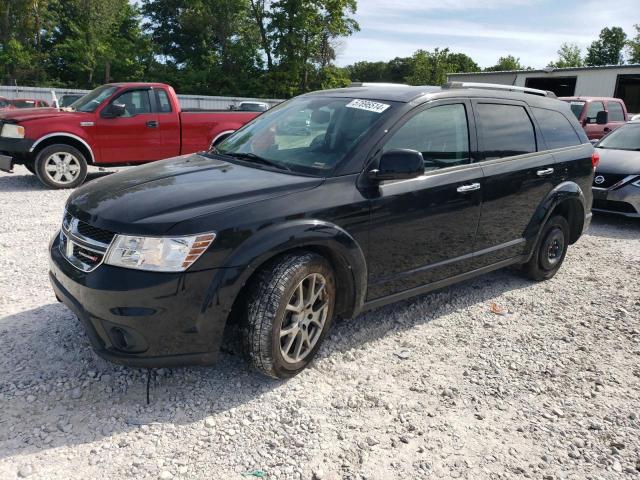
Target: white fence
<point>186,101</point>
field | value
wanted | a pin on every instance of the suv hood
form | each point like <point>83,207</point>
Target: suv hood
<point>26,114</point>
<point>150,199</point>
<point>624,162</point>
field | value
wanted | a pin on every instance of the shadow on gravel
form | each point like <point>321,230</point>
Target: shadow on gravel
<point>55,391</point>
<point>609,225</point>
<point>15,182</point>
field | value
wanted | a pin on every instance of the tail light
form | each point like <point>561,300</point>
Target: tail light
<point>595,158</point>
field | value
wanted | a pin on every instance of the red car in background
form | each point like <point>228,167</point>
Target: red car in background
<point>115,124</point>
<point>598,115</point>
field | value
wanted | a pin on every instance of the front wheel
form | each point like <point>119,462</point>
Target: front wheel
<point>61,166</point>
<point>289,312</point>
<point>550,250</point>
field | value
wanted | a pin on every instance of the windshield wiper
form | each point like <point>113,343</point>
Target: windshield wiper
<point>252,157</point>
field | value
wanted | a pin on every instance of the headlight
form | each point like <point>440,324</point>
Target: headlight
<point>10,130</point>
<point>164,254</point>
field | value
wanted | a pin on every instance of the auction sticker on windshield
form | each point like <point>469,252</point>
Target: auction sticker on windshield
<point>367,105</point>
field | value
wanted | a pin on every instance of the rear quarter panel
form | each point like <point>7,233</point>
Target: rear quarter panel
<point>200,128</point>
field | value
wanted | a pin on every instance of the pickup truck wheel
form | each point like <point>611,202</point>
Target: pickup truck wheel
<point>61,166</point>
<point>550,250</point>
<point>290,309</point>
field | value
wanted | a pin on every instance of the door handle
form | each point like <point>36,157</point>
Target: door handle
<point>607,129</point>
<point>546,172</point>
<point>152,124</point>
<point>468,188</point>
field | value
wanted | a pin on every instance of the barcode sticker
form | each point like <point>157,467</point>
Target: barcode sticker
<point>368,105</point>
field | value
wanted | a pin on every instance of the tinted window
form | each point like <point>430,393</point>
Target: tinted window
<point>556,129</point>
<point>576,107</point>
<point>616,114</point>
<point>164,105</point>
<point>505,130</point>
<point>592,111</point>
<point>135,102</point>
<point>440,133</point>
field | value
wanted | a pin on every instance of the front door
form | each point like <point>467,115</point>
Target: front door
<point>591,127</point>
<point>518,176</point>
<point>422,230</point>
<point>132,137</point>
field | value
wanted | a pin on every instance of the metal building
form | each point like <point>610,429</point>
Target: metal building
<point>620,81</point>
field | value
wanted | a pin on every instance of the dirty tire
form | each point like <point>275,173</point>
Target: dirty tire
<point>268,315</point>
<point>550,250</point>
<point>76,166</point>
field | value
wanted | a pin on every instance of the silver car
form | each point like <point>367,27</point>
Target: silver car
<point>616,185</point>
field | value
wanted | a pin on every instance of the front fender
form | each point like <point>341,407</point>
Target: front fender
<point>343,251</point>
<point>565,191</point>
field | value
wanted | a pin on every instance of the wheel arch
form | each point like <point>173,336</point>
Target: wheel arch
<point>220,137</point>
<point>340,249</point>
<point>566,199</point>
<point>66,139</point>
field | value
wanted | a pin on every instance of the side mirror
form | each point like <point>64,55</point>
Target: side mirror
<point>400,164</point>
<point>602,118</point>
<point>115,110</point>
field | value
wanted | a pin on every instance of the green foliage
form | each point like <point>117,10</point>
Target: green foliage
<point>569,55</point>
<point>633,46</point>
<point>507,63</point>
<point>607,50</point>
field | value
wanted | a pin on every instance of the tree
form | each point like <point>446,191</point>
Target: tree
<point>607,50</point>
<point>633,46</point>
<point>506,63</point>
<point>429,68</point>
<point>569,55</point>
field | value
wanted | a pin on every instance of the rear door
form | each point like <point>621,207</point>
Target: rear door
<point>519,174</point>
<point>133,137</point>
<point>617,117</point>
<point>422,230</point>
<point>168,124</point>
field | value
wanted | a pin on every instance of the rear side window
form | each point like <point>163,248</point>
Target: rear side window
<point>504,130</point>
<point>592,111</point>
<point>164,105</point>
<point>616,113</point>
<point>440,133</point>
<point>556,129</point>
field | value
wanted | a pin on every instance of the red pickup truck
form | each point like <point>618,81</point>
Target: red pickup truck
<point>598,115</point>
<point>114,125</point>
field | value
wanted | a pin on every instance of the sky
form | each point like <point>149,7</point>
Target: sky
<point>484,30</point>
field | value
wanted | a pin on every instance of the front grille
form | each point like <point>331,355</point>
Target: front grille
<point>613,206</point>
<point>83,245</point>
<point>94,233</point>
<point>607,180</point>
<point>85,232</point>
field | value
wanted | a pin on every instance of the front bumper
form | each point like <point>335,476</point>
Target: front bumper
<point>13,150</point>
<point>624,200</point>
<point>143,319</point>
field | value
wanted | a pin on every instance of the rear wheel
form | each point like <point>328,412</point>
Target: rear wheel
<point>290,310</point>
<point>550,250</point>
<point>61,166</point>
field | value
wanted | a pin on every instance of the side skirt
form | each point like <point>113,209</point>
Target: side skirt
<point>379,302</point>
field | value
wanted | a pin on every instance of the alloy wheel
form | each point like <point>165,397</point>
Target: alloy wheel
<point>62,168</point>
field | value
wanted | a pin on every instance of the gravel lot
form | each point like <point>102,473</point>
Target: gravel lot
<point>436,387</point>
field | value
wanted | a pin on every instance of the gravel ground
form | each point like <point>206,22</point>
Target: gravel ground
<point>437,387</point>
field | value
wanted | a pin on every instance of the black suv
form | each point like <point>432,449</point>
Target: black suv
<point>327,205</point>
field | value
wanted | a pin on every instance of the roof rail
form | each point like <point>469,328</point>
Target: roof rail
<point>496,86</point>
<point>376,84</point>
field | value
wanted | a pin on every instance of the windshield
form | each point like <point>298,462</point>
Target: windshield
<point>93,99</point>
<point>309,135</point>
<point>576,107</point>
<point>626,137</point>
